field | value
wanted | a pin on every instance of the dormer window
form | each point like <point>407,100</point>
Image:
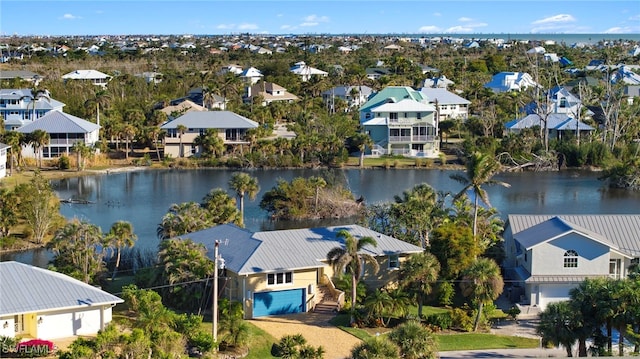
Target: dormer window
<point>571,259</point>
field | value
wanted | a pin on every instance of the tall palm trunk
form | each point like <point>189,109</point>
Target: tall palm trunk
<point>354,286</point>
<point>478,316</point>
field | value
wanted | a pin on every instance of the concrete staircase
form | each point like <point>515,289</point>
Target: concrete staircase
<point>327,303</point>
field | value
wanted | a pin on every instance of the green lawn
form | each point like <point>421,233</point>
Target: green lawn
<point>475,341</point>
<point>260,343</point>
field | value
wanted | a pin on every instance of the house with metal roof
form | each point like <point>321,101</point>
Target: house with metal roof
<point>231,128</point>
<point>3,159</point>
<point>21,106</point>
<point>449,105</point>
<point>64,131</point>
<point>24,75</point>
<point>306,72</point>
<point>558,125</point>
<point>353,96</point>
<point>510,81</point>
<point>401,121</point>
<point>251,75</point>
<point>94,76</point>
<point>547,255</point>
<point>267,92</point>
<point>286,271</point>
<point>39,303</point>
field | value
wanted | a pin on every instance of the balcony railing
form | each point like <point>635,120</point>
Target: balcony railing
<point>415,138</point>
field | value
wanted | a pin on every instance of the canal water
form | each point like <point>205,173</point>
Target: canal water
<point>143,197</point>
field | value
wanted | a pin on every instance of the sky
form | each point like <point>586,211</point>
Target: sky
<point>222,17</point>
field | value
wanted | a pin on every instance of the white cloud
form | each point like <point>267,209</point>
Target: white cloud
<point>316,18</point>
<point>286,27</point>
<point>465,19</point>
<point>430,29</point>
<point>622,30</point>
<point>635,18</point>
<point>437,14</point>
<point>69,17</point>
<point>246,26</point>
<point>560,18</point>
<point>307,24</point>
<point>459,29</point>
<point>226,26</point>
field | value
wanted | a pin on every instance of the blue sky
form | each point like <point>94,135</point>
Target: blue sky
<point>218,17</point>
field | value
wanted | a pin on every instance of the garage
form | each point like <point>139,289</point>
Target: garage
<point>278,302</point>
<point>550,293</point>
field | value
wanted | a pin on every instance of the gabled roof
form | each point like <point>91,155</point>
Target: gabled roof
<point>553,228</point>
<point>59,122</point>
<point>443,96</point>
<point>251,72</point>
<point>404,105</point>
<point>344,91</point>
<point>396,93</point>
<point>211,119</point>
<point>300,68</point>
<point>183,107</point>
<point>246,252</point>
<point>23,74</point>
<point>28,289</point>
<point>85,75</point>
<point>43,102</point>
<point>620,230</point>
<point>555,121</point>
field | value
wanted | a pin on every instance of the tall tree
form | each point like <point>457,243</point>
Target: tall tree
<point>362,141</point>
<point>120,235</point>
<point>244,184</point>
<point>418,274</point>
<point>317,182</point>
<point>350,259</point>
<point>39,139</point>
<point>181,130</point>
<point>557,325</point>
<point>221,207</point>
<point>14,140</point>
<point>417,212</point>
<point>77,249</point>
<point>38,206</point>
<point>82,151</point>
<point>102,98</point>
<point>414,340</point>
<point>8,211</point>
<point>483,283</point>
<point>129,131</point>
<point>480,169</point>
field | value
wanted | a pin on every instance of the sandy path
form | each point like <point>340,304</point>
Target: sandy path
<point>315,328</point>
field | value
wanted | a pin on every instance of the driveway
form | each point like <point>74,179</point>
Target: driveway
<point>315,328</point>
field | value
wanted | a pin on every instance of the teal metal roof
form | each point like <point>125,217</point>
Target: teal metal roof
<point>396,93</point>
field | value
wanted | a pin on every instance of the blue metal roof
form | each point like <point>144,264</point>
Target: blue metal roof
<point>59,122</point>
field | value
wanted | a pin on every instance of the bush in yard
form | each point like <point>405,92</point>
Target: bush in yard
<point>440,320</point>
<point>461,319</point>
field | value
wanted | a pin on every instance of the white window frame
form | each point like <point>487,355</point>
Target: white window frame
<point>570,259</point>
<point>280,279</point>
<point>394,261</point>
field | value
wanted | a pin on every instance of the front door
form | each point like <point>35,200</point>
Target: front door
<point>19,324</point>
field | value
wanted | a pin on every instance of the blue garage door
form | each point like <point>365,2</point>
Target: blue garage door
<point>278,302</point>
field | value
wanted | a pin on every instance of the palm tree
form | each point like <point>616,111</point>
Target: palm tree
<point>181,130</point>
<point>129,132</point>
<point>483,283</point>
<point>415,341</point>
<point>76,248</point>
<point>34,97</point>
<point>557,325</point>
<point>317,182</point>
<point>39,139</point>
<point>415,211</point>
<point>102,98</point>
<point>221,207</point>
<point>362,140</point>
<point>351,260</point>
<point>418,274</point>
<point>14,140</point>
<point>375,348</point>
<point>120,235</point>
<point>243,184</point>
<point>480,170</point>
<point>82,151</point>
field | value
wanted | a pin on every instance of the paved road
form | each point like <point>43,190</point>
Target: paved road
<point>505,353</point>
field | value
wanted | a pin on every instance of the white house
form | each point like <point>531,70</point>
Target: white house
<point>3,159</point>
<point>21,106</point>
<point>251,75</point>
<point>510,81</point>
<point>306,72</point>
<point>95,77</point>
<point>64,131</point>
<point>449,105</point>
<point>558,125</point>
<point>401,121</point>
<point>39,303</point>
<point>354,96</point>
<point>547,255</point>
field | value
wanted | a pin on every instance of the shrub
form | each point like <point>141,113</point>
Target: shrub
<point>441,320</point>
<point>64,163</point>
<point>460,319</point>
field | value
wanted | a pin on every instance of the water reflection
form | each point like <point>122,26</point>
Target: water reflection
<point>143,197</point>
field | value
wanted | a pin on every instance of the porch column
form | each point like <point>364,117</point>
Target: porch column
<point>102,317</point>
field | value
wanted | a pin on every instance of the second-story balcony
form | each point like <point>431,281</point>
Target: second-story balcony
<point>412,139</point>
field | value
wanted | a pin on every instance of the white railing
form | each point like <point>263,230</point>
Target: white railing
<point>336,293</point>
<point>378,150</point>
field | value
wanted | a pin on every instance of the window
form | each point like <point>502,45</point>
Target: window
<point>393,116</point>
<point>571,259</point>
<point>563,102</point>
<point>419,115</point>
<point>394,262</point>
<point>279,278</point>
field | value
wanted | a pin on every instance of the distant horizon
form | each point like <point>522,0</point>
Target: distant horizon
<point>58,18</point>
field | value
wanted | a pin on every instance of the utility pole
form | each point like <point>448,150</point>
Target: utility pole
<point>214,312</point>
